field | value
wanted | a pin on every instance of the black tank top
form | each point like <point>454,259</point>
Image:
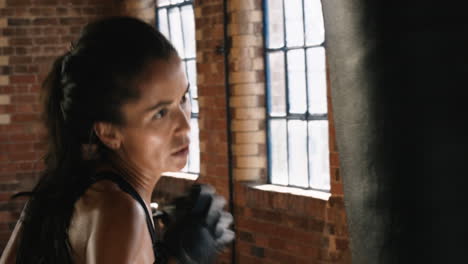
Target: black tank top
<point>158,249</point>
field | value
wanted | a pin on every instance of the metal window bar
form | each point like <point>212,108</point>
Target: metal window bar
<point>307,92</point>
<point>286,86</point>
<point>306,117</point>
<point>185,60</point>
<point>168,6</point>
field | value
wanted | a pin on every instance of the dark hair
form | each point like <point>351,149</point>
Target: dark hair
<point>87,84</point>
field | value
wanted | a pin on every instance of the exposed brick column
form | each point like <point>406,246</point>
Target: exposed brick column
<point>247,93</point>
<point>213,116</point>
<point>214,168</point>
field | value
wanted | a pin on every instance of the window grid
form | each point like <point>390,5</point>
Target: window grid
<point>288,115</point>
<point>193,164</point>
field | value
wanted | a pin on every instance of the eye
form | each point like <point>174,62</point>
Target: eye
<point>160,114</point>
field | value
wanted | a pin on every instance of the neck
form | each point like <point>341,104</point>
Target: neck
<point>143,182</point>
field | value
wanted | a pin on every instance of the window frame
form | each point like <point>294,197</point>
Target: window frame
<point>305,117</point>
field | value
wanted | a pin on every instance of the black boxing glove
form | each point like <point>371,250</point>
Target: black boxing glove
<point>198,228</point>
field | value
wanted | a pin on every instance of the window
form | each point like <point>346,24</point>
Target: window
<point>297,120</point>
<point>175,19</point>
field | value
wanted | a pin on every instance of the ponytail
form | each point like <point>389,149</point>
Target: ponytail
<point>54,194</point>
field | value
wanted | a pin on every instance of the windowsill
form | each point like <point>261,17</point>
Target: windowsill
<point>321,195</point>
<point>293,190</point>
<point>182,175</point>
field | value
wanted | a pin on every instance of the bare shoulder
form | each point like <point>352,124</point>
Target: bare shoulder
<point>117,225</point>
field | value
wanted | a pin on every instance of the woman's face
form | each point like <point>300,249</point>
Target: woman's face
<point>155,134</point>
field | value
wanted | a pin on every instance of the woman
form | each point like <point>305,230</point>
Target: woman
<point>117,113</point>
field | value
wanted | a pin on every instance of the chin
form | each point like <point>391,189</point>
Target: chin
<point>178,166</point>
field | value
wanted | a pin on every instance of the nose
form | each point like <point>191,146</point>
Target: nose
<point>182,121</point>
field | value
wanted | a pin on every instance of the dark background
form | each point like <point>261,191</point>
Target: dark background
<point>421,71</point>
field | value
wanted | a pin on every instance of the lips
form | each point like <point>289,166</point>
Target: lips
<point>181,151</point>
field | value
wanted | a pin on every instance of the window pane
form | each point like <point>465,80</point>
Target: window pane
<point>317,80</point>
<point>277,89</point>
<point>188,22</point>
<point>315,32</point>
<point>275,24</point>
<point>319,159</point>
<point>162,22</point>
<point>176,30</point>
<point>279,152</point>
<point>192,77</point>
<point>297,81</point>
<point>176,1</point>
<point>297,136</point>
<point>294,23</point>
<point>194,155</point>
<point>195,108</point>
<point>163,2</point>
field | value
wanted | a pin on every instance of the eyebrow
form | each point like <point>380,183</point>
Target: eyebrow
<point>164,103</point>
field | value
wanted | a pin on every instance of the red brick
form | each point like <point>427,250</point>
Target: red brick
<point>47,11</point>
<point>77,2</point>
<point>12,147</point>
<point>20,60</point>
<point>6,217</point>
<point>8,32</point>
<point>337,188</point>
<point>24,117</point>
<point>22,79</point>
<point>279,231</point>
<point>23,156</point>
<point>7,12</point>
<point>6,89</point>
<point>21,12</point>
<point>61,11</point>
<point>72,21</point>
<point>280,257</point>
<point>341,244</point>
<point>20,41</point>
<point>276,243</point>
<point>18,2</point>
<point>6,51</point>
<point>42,21</point>
<point>6,109</point>
<point>334,160</point>
<point>245,259</point>
<point>34,31</point>
<point>5,70</point>
<point>47,2</point>
<point>25,108</point>
<point>21,51</point>
<point>46,40</point>
<point>22,137</point>
<point>19,22</point>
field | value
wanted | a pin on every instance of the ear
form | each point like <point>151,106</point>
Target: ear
<point>109,134</point>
